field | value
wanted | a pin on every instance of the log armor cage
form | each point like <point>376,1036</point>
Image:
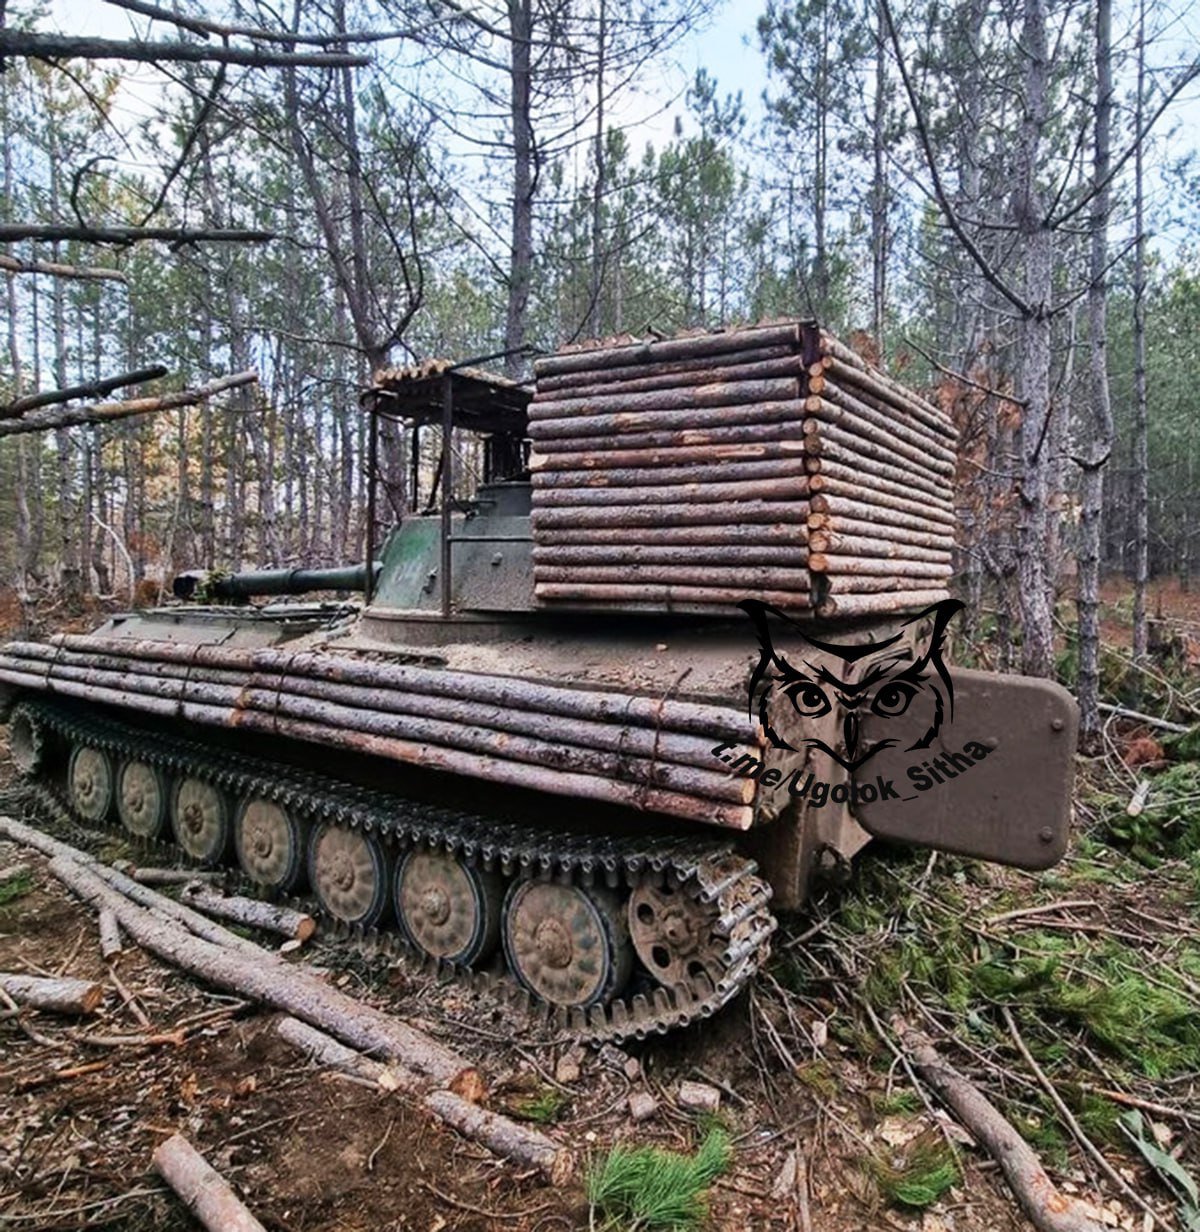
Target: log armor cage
<point>459,395</point>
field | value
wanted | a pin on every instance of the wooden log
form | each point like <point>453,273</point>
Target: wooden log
<point>733,452</point>
<point>253,912</point>
<point>267,979</point>
<point>847,418</point>
<point>55,269</point>
<point>751,364</point>
<point>758,535</point>
<point>820,562</point>
<point>87,389</point>
<point>503,1137</point>
<point>822,439</point>
<point>889,416</point>
<point>635,554</point>
<point>841,359</point>
<point>111,945</point>
<point>934,490</point>
<point>886,392</point>
<point>505,691</point>
<point>870,493</point>
<point>667,350</point>
<point>841,506</point>
<point>878,527</point>
<point>107,412</point>
<point>666,595</point>
<point>743,435</point>
<point>201,1188</point>
<point>59,995</point>
<point>769,577</point>
<point>172,876</point>
<point>660,401</point>
<point>742,512</point>
<point>780,409</point>
<point>859,584</point>
<point>787,488</point>
<point>872,604</point>
<point>1049,1210</point>
<point>639,477</point>
<point>855,545</point>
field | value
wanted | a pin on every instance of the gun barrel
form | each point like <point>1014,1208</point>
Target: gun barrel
<point>271,582</point>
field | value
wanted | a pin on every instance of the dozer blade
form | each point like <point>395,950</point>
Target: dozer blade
<point>993,782</point>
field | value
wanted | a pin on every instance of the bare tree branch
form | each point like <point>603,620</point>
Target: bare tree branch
<point>66,47</point>
<point>14,265</point>
<point>11,231</point>
<point>203,27</point>
<point>89,389</point>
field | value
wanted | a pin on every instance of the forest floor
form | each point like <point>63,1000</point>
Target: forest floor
<point>1096,961</point>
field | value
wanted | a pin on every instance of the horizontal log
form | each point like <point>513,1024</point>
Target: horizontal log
<point>504,691</point>
<point>877,527</point>
<point>819,562</point>
<point>835,408</point>
<point>741,512</point>
<point>684,554</point>
<point>857,545</point>
<point>830,462</point>
<point>769,577</point>
<point>885,414</point>
<point>859,584</point>
<point>350,708</point>
<point>252,912</point>
<point>707,472</point>
<point>666,595</point>
<point>783,409</point>
<point>791,487</point>
<point>676,383</point>
<point>871,494</point>
<point>59,995</point>
<point>202,1189</point>
<point>733,453</point>
<point>592,358</point>
<point>851,366</point>
<point>876,605</point>
<point>758,534</point>
<point>863,454</point>
<point>886,392</point>
<point>840,506</point>
<point>696,371</point>
<point>656,402</point>
<point>606,727</point>
<point>780,432</point>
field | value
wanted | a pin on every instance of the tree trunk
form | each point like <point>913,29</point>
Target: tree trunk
<point>520,17</point>
<point>1141,466</point>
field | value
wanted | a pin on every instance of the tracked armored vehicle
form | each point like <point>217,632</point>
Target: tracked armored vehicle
<point>679,653</point>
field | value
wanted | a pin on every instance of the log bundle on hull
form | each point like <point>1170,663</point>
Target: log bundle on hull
<point>769,462</point>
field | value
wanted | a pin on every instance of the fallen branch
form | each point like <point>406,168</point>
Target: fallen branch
<point>168,876</point>
<point>1049,1210</point>
<point>1021,912</point>
<point>1123,712</point>
<point>105,412</point>
<point>201,1188</point>
<point>59,995</point>
<point>1137,802</point>
<point>110,936</point>
<point>499,1134</point>
<point>88,389</point>
<point>294,925</point>
<point>14,265</point>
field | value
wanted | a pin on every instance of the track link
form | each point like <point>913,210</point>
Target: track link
<point>714,876</point>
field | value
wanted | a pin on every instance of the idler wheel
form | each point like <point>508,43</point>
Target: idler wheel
<point>271,844</point>
<point>449,909</point>
<point>90,779</point>
<point>351,874</point>
<point>26,743</point>
<point>566,944</point>
<point>200,820</point>
<point>141,799</point>
<point>670,932</point>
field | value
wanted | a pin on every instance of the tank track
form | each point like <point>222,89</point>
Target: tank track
<point>712,875</point>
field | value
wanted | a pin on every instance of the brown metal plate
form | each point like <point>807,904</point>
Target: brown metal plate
<point>1006,765</point>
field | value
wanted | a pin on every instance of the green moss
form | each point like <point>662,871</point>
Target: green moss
<point>15,887</point>
<point>647,1187</point>
<point>544,1107</point>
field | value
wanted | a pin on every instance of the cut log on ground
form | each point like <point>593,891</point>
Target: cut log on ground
<point>294,925</point>
<point>110,936</point>
<point>171,876</point>
<point>59,995</point>
<point>1048,1209</point>
<point>201,1187</point>
<point>502,1136</point>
